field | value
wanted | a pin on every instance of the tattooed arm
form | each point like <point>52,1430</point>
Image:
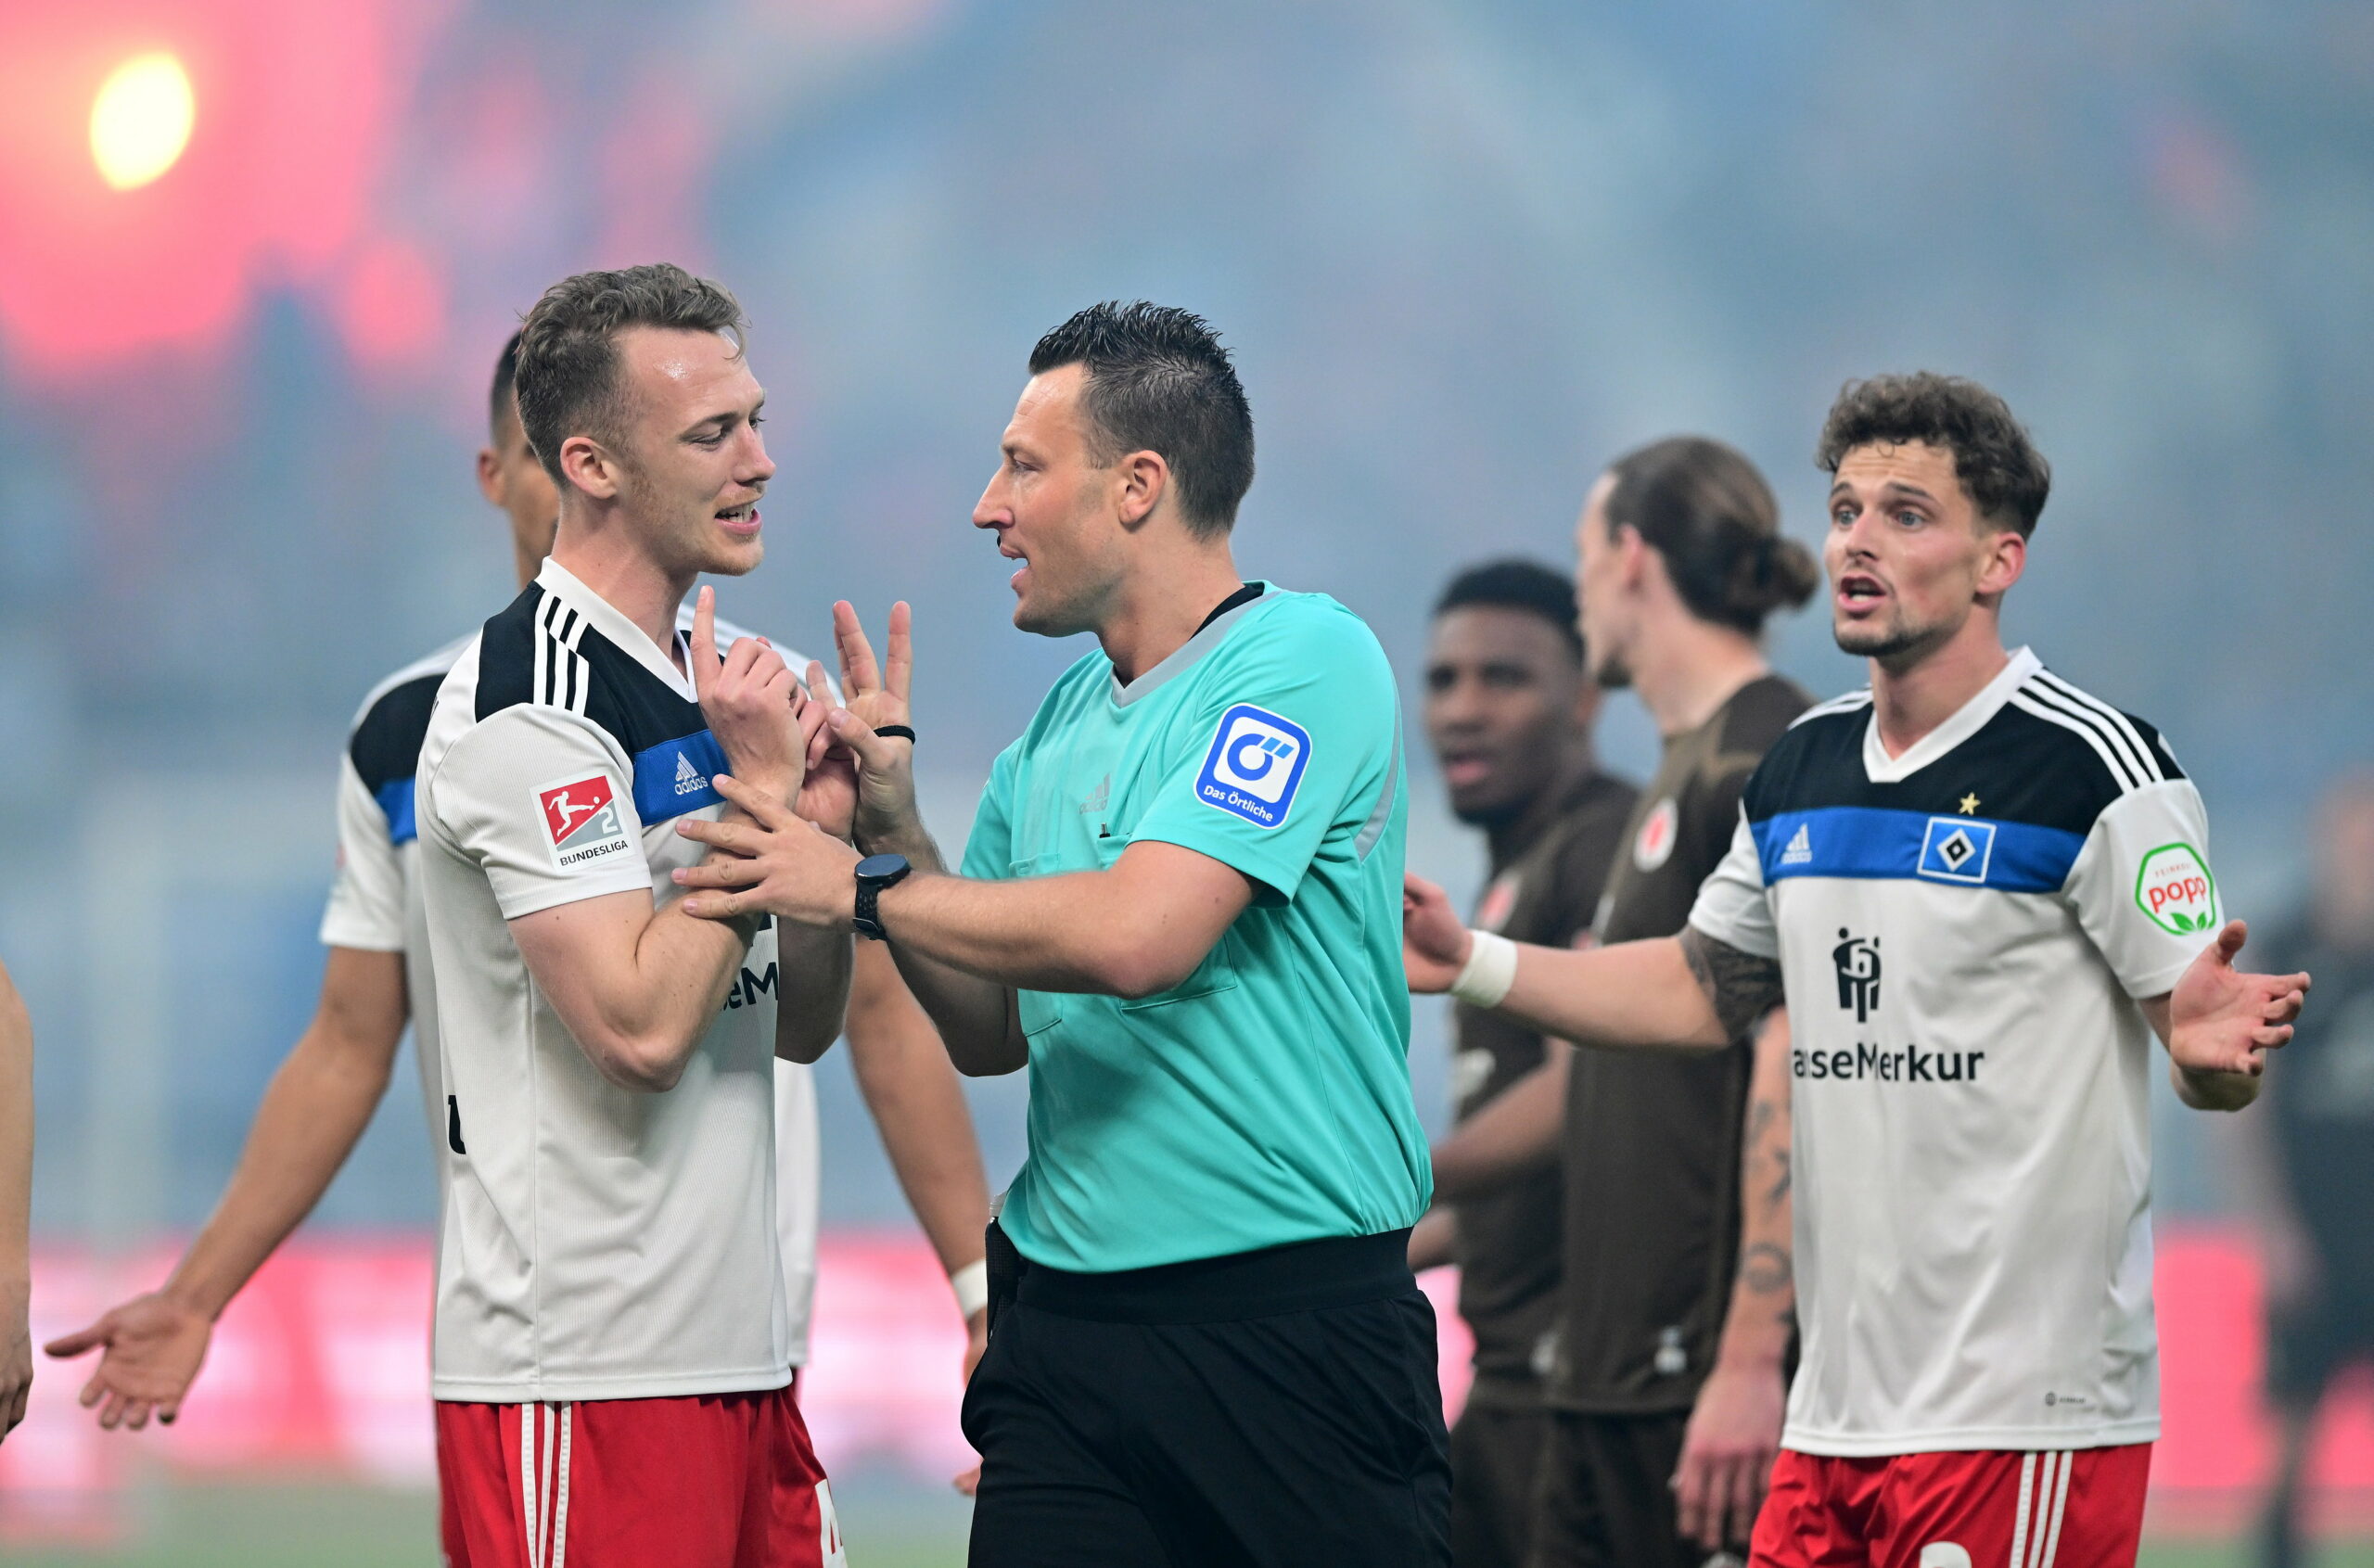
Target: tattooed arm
<point>1689,992</point>
<point>1734,1432</point>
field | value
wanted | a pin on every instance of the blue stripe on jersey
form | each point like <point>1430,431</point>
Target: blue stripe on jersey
<point>1872,843</point>
<point>395,804</point>
<point>673,777</point>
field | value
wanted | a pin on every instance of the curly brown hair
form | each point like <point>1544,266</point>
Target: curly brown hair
<point>567,367</point>
<point>1999,467</point>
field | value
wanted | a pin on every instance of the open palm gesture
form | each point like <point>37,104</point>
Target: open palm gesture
<point>2223,1020</point>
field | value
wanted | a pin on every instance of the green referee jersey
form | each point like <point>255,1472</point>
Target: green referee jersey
<point>1266,1100</point>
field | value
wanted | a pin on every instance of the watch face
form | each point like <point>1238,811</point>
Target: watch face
<point>874,868</point>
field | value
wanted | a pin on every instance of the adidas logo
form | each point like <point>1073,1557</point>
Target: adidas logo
<point>688,778</point>
<point>1800,849</point>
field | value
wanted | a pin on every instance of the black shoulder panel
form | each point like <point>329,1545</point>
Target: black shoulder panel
<point>2017,768</point>
<point>507,654</point>
<point>1819,761</point>
<point>386,743</point>
<point>633,704</point>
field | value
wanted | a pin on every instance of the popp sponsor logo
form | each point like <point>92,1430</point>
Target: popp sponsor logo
<point>2174,888</point>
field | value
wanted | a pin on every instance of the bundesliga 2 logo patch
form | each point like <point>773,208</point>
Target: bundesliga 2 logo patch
<point>1254,766</point>
<point>581,823</point>
<point>2174,888</point>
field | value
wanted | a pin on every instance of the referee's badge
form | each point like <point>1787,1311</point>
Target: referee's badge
<point>1254,765</point>
<point>581,823</point>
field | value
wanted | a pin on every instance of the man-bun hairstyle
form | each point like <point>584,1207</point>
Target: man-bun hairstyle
<point>1706,510</point>
<point>2006,477</point>
<point>568,374</point>
<point>1159,381</point>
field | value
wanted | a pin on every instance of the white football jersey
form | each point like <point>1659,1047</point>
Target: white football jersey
<point>597,1243</point>
<point>375,907</point>
<point>1963,932</point>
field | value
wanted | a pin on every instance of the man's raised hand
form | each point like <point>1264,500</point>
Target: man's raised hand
<point>2226,1019</point>
<point>828,794</point>
<point>875,695</point>
<point>1434,939</point>
<point>749,699</point>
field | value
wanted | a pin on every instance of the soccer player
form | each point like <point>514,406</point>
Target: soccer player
<point>1666,1382</point>
<point>1178,909</point>
<point>378,975</point>
<point>2310,1160</point>
<point>1508,712</point>
<point>1981,891</point>
<point>612,1350</point>
<point>15,1205</point>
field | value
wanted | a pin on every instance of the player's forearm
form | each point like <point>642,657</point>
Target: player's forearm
<point>16,1140</point>
<point>313,1112</point>
<point>1763,1293</point>
<point>1632,995</point>
<point>909,1087</point>
<point>1515,1135</point>
<point>814,966</point>
<point>636,990</point>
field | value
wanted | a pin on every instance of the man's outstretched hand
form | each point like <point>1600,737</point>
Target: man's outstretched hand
<point>1434,942</point>
<point>151,1348</point>
<point>2220,1022</point>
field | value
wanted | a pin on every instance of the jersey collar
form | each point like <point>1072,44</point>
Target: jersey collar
<point>1967,720</point>
<point>1185,656</point>
<point>612,623</point>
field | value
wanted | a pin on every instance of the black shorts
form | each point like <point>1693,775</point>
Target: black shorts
<point>2311,1343</point>
<point>1495,1457</point>
<point>1269,1409</point>
<point>1605,1494</point>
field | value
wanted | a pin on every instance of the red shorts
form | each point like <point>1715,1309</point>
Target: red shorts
<point>714,1481</point>
<point>2069,1510</point>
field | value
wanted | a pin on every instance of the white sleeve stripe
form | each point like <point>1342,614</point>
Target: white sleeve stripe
<point>2092,737</point>
<point>2060,695</point>
<point>2119,723</point>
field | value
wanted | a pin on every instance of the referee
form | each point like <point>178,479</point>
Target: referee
<point>1180,910</point>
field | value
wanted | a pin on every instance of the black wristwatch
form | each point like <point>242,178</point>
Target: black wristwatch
<point>874,874</point>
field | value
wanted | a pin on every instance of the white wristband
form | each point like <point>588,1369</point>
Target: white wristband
<point>1491,970</point>
<point>971,1284</point>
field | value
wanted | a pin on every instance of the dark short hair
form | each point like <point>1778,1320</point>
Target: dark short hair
<point>500,404</point>
<point>1705,509</point>
<point>1999,467</point>
<point>567,370</point>
<point>1159,381</point>
<point>1527,586</point>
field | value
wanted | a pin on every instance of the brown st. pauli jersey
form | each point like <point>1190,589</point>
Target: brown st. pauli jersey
<point>1544,892</point>
<point>1652,1137</point>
